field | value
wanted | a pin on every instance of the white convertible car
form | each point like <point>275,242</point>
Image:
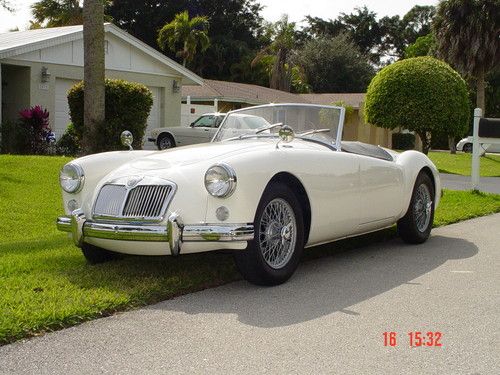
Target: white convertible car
<point>274,180</point>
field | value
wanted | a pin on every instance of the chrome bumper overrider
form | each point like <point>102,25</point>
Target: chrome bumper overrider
<point>175,232</point>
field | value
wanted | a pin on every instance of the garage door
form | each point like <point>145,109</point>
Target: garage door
<point>153,119</point>
<point>62,119</point>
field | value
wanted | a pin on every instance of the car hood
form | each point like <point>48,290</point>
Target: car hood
<point>190,155</point>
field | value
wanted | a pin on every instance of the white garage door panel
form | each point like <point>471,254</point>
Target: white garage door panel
<point>153,118</point>
<point>61,116</point>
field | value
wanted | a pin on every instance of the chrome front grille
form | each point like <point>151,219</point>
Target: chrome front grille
<point>143,202</point>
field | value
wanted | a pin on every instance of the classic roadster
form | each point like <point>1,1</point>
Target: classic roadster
<point>274,180</point>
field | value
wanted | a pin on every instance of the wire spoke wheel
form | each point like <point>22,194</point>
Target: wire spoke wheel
<point>423,208</point>
<point>278,233</point>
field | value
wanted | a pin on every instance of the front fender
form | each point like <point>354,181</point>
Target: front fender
<point>412,163</point>
<point>95,167</point>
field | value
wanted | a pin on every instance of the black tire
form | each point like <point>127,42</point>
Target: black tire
<point>251,262</point>
<point>165,141</point>
<point>467,147</point>
<point>96,255</point>
<point>413,227</point>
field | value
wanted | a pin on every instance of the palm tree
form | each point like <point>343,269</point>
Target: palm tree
<point>54,13</point>
<point>283,34</point>
<point>467,33</point>
<point>93,73</point>
<point>186,32</point>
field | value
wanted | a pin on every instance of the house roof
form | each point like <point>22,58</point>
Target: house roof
<point>254,94</point>
<point>352,99</point>
<point>239,92</point>
<point>19,42</point>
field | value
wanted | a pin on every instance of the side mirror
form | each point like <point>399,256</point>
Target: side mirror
<point>127,138</point>
<point>191,125</point>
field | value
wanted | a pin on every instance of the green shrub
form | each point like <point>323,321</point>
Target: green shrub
<point>403,141</point>
<point>127,108</point>
<point>421,94</point>
<point>69,144</point>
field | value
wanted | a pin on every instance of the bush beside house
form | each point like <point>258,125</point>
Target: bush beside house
<point>127,107</point>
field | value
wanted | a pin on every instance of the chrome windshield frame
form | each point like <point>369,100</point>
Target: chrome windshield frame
<point>340,127</point>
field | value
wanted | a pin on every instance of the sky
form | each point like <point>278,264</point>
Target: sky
<point>273,9</point>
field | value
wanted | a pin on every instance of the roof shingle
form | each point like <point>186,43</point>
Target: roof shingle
<point>254,94</point>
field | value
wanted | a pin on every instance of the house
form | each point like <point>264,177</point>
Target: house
<point>37,67</point>
<point>224,96</point>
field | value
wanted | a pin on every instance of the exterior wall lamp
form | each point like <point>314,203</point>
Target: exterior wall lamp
<point>176,87</point>
<point>45,75</point>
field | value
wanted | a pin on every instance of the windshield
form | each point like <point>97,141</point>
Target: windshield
<point>321,123</point>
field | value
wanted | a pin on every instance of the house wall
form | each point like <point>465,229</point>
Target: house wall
<point>30,86</point>
<point>356,129</point>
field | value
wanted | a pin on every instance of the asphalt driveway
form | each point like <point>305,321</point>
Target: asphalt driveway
<point>329,318</point>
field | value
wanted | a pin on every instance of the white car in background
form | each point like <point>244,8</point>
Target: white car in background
<point>465,145</point>
<point>201,130</point>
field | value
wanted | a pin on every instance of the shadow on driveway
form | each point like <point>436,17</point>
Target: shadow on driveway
<point>323,286</point>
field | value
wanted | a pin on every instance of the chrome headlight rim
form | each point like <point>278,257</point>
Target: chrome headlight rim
<point>231,180</point>
<point>81,177</point>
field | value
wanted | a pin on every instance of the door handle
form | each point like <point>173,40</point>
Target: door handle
<point>206,130</point>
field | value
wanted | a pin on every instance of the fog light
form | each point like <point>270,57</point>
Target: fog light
<point>222,213</point>
<point>72,205</point>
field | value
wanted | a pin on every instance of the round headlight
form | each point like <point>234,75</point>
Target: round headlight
<point>220,180</point>
<point>71,178</point>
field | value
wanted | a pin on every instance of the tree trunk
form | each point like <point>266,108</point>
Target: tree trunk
<point>480,87</point>
<point>452,145</point>
<point>426,141</point>
<point>93,74</point>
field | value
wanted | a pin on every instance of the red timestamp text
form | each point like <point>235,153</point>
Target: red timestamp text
<point>415,338</point>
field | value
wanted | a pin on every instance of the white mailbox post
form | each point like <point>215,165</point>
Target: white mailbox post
<point>486,131</point>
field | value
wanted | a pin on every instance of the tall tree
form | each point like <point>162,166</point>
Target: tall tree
<point>234,31</point>
<point>361,26</point>
<point>283,41</point>
<point>335,65</point>
<point>93,72</point>
<point>53,13</point>
<point>184,35</point>
<point>144,18</point>
<point>468,37</point>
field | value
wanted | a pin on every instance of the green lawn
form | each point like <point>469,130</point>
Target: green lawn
<point>45,283</point>
<point>460,163</point>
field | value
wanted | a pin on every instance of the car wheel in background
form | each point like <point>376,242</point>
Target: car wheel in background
<point>415,227</point>
<point>96,255</point>
<point>274,254</point>
<point>165,141</point>
<point>467,147</point>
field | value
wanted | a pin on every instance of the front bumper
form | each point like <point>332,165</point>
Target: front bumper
<point>174,233</point>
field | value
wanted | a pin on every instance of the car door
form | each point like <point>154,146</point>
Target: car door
<point>380,192</point>
<point>200,131</point>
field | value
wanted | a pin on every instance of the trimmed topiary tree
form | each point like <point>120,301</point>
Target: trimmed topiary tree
<point>421,94</point>
<point>127,108</point>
